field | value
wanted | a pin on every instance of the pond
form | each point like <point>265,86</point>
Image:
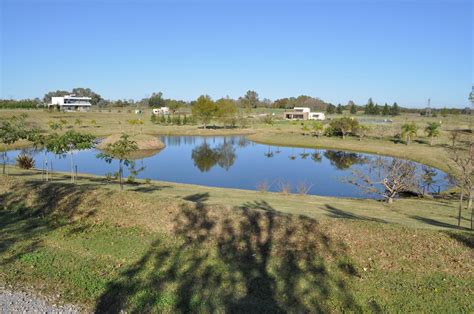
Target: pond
<point>236,162</point>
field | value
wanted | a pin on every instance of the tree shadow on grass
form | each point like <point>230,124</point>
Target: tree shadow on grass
<point>334,212</point>
<point>150,188</point>
<point>197,198</point>
<point>466,239</point>
<point>34,210</point>
<point>249,259</point>
<point>437,223</point>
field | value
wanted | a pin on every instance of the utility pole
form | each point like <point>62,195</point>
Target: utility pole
<point>471,99</point>
<point>428,108</point>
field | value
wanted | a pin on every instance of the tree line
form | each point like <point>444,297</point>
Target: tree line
<point>249,100</point>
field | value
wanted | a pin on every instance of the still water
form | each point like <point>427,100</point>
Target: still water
<point>235,162</point>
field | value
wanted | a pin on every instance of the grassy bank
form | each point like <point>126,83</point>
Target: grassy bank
<point>436,156</point>
<point>170,248</point>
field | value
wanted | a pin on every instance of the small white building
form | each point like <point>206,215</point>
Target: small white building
<point>317,116</point>
<point>303,113</point>
<point>161,110</point>
<point>71,103</point>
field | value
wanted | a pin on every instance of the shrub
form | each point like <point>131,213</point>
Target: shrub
<point>303,188</point>
<point>342,127</point>
<point>284,187</point>
<point>131,179</point>
<point>25,162</point>
<point>109,176</point>
<point>263,186</point>
<point>268,119</point>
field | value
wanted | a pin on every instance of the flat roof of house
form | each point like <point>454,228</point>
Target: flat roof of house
<point>76,97</point>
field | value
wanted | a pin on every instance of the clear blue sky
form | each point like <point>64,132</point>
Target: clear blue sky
<point>404,51</point>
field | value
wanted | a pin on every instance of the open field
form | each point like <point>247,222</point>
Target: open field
<point>169,247</point>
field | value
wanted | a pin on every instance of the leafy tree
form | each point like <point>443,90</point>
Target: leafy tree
<point>204,109</point>
<point>395,110</point>
<point>331,109</point>
<point>386,110</point>
<point>156,100</point>
<point>369,107</point>
<point>250,99</point>
<point>376,110</point>
<point>409,131</point>
<point>361,131</point>
<point>432,130</point>
<point>226,111</point>
<point>121,151</point>
<point>339,109</point>
<point>318,128</point>
<point>343,126</point>
<point>67,143</point>
<point>352,107</point>
<point>174,105</point>
<point>13,130</point>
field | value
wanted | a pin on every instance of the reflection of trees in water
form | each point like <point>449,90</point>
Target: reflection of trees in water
<point>243,142</point>
<point>269,154</point>
<point>304,154</point>
<point>316,156</point>
<point>178,140</point>
<point>226,155</point>
<point>205,157</point>
<point>292,156</point>
<point>344,160</point>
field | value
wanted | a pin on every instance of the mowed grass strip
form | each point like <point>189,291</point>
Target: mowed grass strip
<point>136,251</point>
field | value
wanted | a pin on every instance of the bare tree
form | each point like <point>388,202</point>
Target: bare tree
<point>387,177</point>
<point>461,154</point>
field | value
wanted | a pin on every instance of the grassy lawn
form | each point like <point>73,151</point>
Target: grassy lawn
<point>173,247</point>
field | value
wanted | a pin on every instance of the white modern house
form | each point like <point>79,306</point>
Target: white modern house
<point>71,103</point>
<point>161,110</point>
<point>303,113</point>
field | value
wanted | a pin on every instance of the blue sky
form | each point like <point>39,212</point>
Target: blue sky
<point>404,51</point>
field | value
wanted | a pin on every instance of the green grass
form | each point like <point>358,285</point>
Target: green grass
<point>109,250</point>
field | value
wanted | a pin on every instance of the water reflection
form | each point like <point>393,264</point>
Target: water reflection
<point>236,162</point>
<point>205,157</point>
<point>344,160</point>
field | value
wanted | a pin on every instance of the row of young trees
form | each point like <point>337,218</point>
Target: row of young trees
<point>370,108</point>
<point>64,144</point>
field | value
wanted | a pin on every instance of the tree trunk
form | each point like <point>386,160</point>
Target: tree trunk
<point>461,196</point>
<point>120,176</point>
<point>469,207</point>
<point>431,141</point>
<point>72,169</point>
<point>4,161</point>
<point>390,200</point>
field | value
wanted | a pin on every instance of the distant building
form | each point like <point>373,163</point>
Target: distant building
<point>161,110</point>
<point>71,103</point>
<point>303,113</point>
